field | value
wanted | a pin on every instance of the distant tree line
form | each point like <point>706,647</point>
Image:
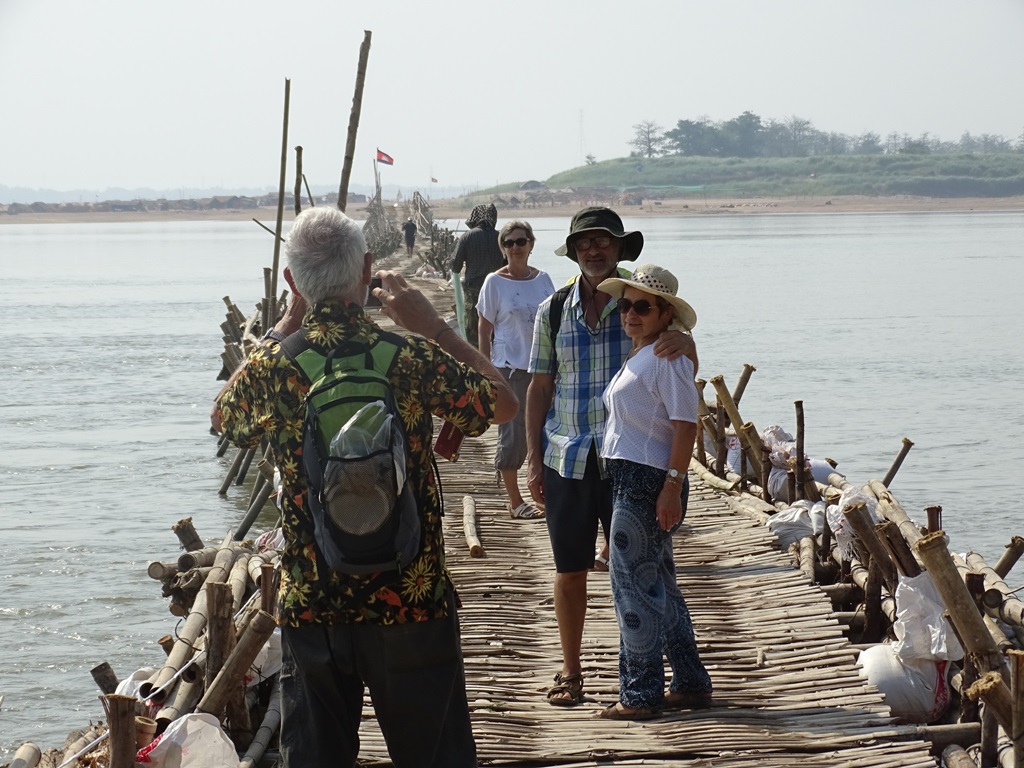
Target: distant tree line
<point>749,136</point>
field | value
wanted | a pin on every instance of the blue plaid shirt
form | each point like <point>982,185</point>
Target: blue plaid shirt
<point>582,363</point>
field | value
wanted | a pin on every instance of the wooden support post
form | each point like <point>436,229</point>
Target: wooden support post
<point>232,471</point>
<point>353,120</point>
<point>1010,557</point>
<point>860,521</point>
<point>747,432</point>
<point>268,588</point>
<point>121,717</point>
<point>249,644</point>
<point>721,453</point>
<point>934,518</point>
<point>220,630</point>
<point>799,467</point>
<point>887,480</point>
<point>166,643</point>
<point>1016,732</point>
<point>873,604</point>
<point>105,678</point>
<point>476,549</point>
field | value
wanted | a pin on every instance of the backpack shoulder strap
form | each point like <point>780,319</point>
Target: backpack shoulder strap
<point>558,299</point>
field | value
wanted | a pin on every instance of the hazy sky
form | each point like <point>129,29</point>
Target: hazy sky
<point>137,93</point>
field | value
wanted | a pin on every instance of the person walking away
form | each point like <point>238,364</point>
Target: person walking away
<point>648,442</point>
<point>574,355</point>
<point>478,251</point>
<point>394,632</point>
<point>409,230</point>
<point>507,307</point>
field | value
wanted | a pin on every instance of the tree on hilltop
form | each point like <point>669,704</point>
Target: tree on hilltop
<point>648,139</point>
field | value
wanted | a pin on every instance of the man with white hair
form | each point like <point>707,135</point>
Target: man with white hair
<point>396,631</point>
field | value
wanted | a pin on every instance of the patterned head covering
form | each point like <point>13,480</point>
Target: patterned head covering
<point>482,214</point>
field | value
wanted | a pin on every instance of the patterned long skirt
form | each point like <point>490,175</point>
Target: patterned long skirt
<point>654,622</point>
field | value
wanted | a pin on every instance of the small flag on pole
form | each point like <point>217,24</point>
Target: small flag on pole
<point>384,157</point>
<point>433,180</point>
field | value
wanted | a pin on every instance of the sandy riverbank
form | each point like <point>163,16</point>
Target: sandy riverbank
<point>457,209</point>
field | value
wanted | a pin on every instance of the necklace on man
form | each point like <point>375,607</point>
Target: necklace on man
<point>591,303</point>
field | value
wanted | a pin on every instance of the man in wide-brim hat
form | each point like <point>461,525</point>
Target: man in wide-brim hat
<point>578,346</point>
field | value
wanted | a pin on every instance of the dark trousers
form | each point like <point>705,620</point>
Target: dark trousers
<point>471,294</point>
<point>417,684</point>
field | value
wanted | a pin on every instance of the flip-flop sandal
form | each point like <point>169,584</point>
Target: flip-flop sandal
<point>686,700</point>
<point>567,691</point>
<point>601,563</point>
<point>615,712</point>
<point>526,511</point>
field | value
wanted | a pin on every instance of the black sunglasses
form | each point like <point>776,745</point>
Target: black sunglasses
<point>520,241</point>
<point>641,307</point>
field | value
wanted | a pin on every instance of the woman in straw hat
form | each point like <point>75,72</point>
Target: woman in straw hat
<point>649,437</point>
<point>507,307</point>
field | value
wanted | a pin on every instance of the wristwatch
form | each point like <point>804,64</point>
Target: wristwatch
<point>673,476</point>
<point>273,334</point>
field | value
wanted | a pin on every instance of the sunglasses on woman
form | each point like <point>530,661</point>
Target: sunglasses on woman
<point>641,307</point>
<point>520,241</point>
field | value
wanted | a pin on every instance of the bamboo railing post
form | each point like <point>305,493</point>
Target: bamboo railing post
<point>997,697</point>
<point>280,198</point>
<point>752,444</point>
<point>860,520</point>
<point>872,632</point>
<point>268,591</point>
<point>934,514</point>
<point>799,469</point>
<point>887,480</point>
<point>298,180</point>
<point>120,712</point>
<point>721,454</point>
<point>271,722</point>
<point>105,678</point>
<point>1016,733</point>
<point>970,627</point>
<point>232,471</point>
<point>1010,557</point>
<point>26,756</point>
<point>353,120</point>
<point>741,383</point>
<point>241,657</point>
<point>220,630</point>
<point>187,535</point>
<point>253,511</point>
<point>898,548</point>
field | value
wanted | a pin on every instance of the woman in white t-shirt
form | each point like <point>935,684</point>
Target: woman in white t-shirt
<point>648,441</point>
<point>506,307</point>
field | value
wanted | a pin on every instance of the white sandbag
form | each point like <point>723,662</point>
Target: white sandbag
<point>191,741</point>
<point>132,684</point>
<point>916,690</point>
<point>796,522</point>
<point>268,661</point>
<point>921,629</point>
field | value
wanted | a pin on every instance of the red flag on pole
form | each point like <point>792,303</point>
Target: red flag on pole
<point>384,157</point>
<point>433,180</point>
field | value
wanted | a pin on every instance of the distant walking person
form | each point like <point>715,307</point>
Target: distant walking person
<point>409,229</point>
<point>648,441</point>
<point>479,252</point>
<point>507,307</point>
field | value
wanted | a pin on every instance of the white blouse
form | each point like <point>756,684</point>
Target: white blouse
<point>643,399</point>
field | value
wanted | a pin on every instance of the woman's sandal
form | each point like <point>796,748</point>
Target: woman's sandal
<point>525,511</point>
<point>567,691</point>
<point>617,711</point>
<point>601,563</point>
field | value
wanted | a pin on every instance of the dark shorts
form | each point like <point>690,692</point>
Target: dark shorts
<point>573,510</point>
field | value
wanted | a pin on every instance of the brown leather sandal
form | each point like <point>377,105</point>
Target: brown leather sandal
<point>567,691</point>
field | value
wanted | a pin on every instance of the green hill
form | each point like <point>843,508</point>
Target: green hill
<point>928,175</point>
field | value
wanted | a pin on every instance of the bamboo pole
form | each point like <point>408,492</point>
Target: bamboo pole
<point>187,535</point>
<point>934,518</point>
<point>232,471</point>
<point>799,468</point>
<point>145,731</point>
<point>993,691</point>
<point>1010,557</point>
<point>253,512</point>
<point>197,558</point>
<point>753,445</point>
<point>353,120</point>
<point>469,527</point>
<point>955,756</point>
<point>860,520</point>
<point>807,559</point>
<point>891,510</point>
<point>891,474</point>
<point>1016,731</point>
<point>220,630</point>
<point>741,383</point>
<point>105,678</point>
<point>268,588</point>
<point>160,571</point>
<point>280,195</point>
<point>186,695</point>
<point>900,552</point>
<point>720,450</point>
<point>235,666</point>
<point>193,626</point>
<point>998,599</point>
<point>26,756</point>
<point>238,580</point>
<point>271,722</point>
<point>297,194</point>
<point>120,712</point>
<point>967,621</point>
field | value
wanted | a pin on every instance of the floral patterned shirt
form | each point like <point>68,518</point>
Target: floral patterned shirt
<point>268,400</point>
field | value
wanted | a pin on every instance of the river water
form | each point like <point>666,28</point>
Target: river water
<point>884,325</point>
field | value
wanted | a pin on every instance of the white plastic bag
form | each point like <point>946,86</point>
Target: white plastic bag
<point>191,741</point>
<point>131,685</point>
<point>837,521</point>
<point>916,690</point>
<point>921,630</point>
<point>796,522</point>
<point>268,661</point>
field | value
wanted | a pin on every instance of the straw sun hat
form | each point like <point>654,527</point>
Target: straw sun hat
<point>655,280</point>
